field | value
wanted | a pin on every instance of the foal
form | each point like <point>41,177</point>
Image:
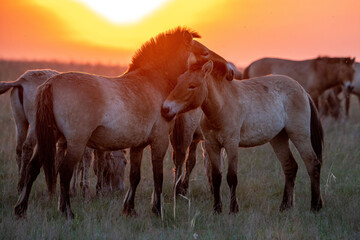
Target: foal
<point>249,113</point>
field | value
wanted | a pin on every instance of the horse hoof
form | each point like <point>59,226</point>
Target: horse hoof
<point>156,212</point>
<point>285,206</point>
<point>129,212</point>
<point>316,207</point>
<point>217,209</point>
<point>20,211</point>
<point>180,190</point>
<point>234,209</point>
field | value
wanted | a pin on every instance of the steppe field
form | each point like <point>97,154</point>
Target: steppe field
<point>260,189</point>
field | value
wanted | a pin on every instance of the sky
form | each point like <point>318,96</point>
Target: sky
<point>241,31</point>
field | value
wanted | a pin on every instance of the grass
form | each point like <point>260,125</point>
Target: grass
<point>259,192</point>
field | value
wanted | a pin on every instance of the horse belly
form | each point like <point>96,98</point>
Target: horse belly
<point>259,129</point>
<point>106,138</point>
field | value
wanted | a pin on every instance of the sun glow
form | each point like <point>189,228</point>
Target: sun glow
<point>124,12</point>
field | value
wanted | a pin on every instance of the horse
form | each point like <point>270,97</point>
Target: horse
<point>314,75</point>
<point>109,168</point>
<point>184,138</point>
<point>355,90</point>
<point>110,173</point>
<point>249,113</point>
<point>22,98</point>
<point>111,113</point>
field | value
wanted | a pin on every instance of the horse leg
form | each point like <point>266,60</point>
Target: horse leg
<point>108,169</point>
<point>21,123</point>
<point>85,182</point>
<point>73,156</point>
<point>280,144</point>
<point>178,157</point>
<point>100,162</point>
<point>207,167</point>
<point>158,151</point>
<point>60,152</point>
<point>135,163</point>
<point>231,177</point>
<point>32,171</point>
<point>75,179</point>
<point>213,150</point>
<point>27,152</point>
<point>313,166</point>
<point>190,164</point>
<point>347,101</point>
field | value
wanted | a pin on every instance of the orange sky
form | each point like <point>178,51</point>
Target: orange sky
<point>239,30</point>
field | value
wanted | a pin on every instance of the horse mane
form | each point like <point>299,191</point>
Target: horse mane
<point>332,60</point>
<point>163,43</point>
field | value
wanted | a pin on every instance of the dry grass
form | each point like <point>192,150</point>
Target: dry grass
<point>259,192</point>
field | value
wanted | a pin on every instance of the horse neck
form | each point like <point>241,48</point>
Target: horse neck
<point>215,98</point>
<point>327,76</point>
<point>161,81</point>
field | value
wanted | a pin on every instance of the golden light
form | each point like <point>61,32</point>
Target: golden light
<point>93,22</point>
<point>124,12</point>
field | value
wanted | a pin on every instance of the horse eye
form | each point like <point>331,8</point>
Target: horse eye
<point>191,87</point>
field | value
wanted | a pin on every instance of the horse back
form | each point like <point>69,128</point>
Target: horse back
<point>301,71</point>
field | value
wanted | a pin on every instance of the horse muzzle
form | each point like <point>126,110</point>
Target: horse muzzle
<point>349,87</point>
<point>167,113</point>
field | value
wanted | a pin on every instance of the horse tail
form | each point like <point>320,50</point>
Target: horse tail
<point>5,86</point>
<point>246,72</point>
<point>316,130</point>
<point>45,128</point>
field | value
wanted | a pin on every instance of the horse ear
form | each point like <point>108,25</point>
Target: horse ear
<point>208,67</point>
<point>187,37</point>
<point>237,74</point>
<point>230,75</point>
<point>352,60</point>
<point>191,60</point>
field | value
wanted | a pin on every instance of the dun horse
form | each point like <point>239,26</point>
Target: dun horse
<point>315,75</point>
<point>355,90</point>
<point>185,137</point>
<point>22,100</point>
<point>110,114</point>
<point>249,113</point>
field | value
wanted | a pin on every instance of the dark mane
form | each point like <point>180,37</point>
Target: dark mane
<point>346,60</point>
<point>160,46</point>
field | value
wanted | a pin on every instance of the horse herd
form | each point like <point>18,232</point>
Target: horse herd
<point>174,87</point>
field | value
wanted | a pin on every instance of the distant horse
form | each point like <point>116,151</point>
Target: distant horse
<point>22,100</point>
<point>185,137</point>
<point>109,168</point>
<point>355,90</point>
<point>249,113</point>
<point>111,172</point>
<point>110,114</point>
<point>314,75</point>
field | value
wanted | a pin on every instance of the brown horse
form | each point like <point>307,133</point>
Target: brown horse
<point>110,114</point>
<point>249,113</point>
<point>22,100</point>
<point>185,137</point>
<point>315,75</point>
<point>355,90</point>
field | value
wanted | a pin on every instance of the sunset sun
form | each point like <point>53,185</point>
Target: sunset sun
<point>123,12</point>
